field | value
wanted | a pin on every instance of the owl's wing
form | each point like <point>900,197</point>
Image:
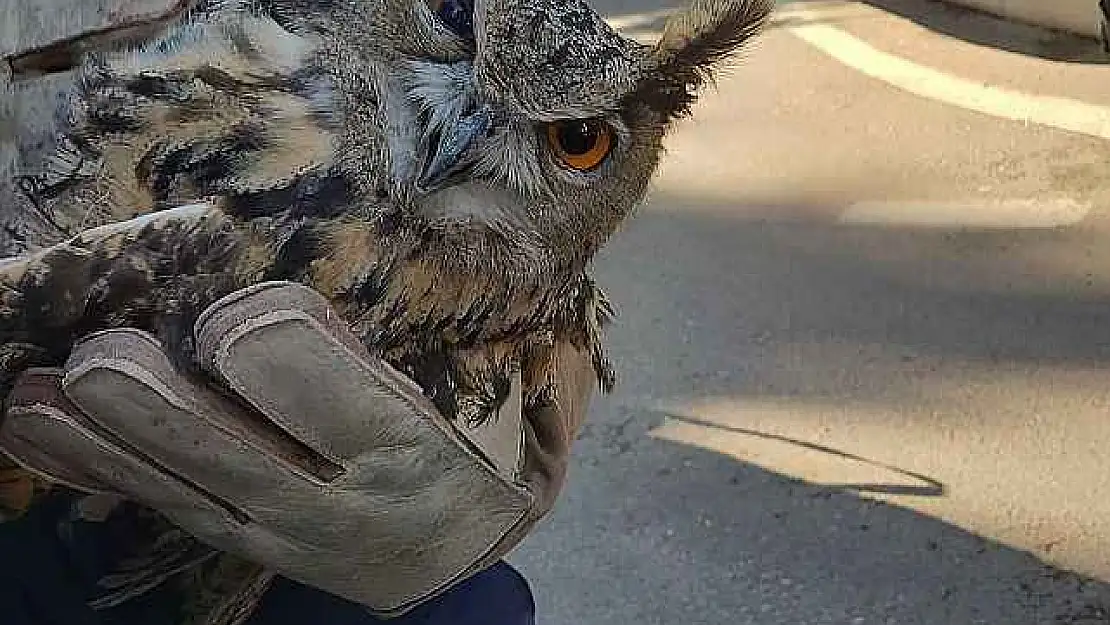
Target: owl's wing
<point>220,101</point>
<point>220,107</point>
<point>29,133</point>
<point>41,42</point>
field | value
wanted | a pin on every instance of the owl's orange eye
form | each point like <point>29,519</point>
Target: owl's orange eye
<point>581,145</point>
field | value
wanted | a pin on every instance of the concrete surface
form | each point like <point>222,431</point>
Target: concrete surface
<point>863,350</point>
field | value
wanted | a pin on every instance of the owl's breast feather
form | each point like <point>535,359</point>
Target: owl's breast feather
<point>455,333</point>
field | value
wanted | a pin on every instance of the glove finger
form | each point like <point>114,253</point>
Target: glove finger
<point>127,386</point>
<point>52,435</point>
<point>281,348</point>
<point>37,396</point>
<point>76,441</point>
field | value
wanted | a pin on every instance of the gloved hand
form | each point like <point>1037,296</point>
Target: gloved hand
<point>317,460</point>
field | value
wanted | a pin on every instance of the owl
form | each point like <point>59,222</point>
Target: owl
<point>443,171</point>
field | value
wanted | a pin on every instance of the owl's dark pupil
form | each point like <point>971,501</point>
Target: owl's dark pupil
<point>458,15</point>
<point>578,138</point>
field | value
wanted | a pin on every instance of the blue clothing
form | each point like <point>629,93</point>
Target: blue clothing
<point>48,575</point>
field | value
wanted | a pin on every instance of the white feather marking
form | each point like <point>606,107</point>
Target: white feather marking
<point>401,129</point>
<point>441,94</point>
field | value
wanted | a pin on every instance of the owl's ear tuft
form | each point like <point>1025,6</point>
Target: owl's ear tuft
<point>694,41</point>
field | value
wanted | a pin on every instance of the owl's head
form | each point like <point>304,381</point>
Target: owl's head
<point>533,119</point>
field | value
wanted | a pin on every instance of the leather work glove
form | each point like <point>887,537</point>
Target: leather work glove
<point>320,462</point>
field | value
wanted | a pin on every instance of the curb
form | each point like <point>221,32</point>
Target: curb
<point>1078,17</point>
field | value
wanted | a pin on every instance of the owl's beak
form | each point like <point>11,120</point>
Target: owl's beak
<point>447,154</point>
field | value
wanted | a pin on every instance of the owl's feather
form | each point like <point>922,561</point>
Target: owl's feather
<point>694,41</point>
<point>292,140</point>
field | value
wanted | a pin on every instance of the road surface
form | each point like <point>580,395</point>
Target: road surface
<point>864,341</point>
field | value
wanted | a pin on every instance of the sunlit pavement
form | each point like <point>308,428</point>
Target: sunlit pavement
<point>864,340</point>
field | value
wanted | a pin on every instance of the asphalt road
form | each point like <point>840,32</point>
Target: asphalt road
<point>863,345</point>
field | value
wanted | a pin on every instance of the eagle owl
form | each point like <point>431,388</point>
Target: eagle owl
<point>443,171</point>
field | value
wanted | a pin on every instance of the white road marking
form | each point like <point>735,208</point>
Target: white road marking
<point>809,23</point>
<point>986,214</point>
<point>1056,112</point>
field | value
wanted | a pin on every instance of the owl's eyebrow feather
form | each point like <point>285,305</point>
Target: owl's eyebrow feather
<point>694,42</point>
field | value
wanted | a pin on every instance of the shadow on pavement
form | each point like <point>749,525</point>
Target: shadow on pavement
<point>653,531</point>
<point>925,487</point>
<point>987,30</point>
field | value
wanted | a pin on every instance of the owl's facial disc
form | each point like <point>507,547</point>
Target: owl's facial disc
<point>448,150</point>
